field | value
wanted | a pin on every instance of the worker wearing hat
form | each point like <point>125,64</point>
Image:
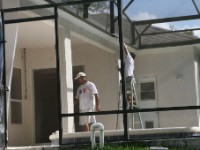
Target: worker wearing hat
<point>87,95</point>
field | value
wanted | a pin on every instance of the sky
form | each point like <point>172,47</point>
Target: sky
<point>157,9</point>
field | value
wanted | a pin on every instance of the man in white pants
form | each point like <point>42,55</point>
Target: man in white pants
<point>87,95</point>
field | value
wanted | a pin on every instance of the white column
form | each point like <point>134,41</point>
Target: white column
<point>66,82</point>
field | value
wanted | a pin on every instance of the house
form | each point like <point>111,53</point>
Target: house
<point>31,59</point>
<point>166,77</point>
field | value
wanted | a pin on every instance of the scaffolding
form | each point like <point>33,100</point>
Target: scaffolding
<point>136,42</point>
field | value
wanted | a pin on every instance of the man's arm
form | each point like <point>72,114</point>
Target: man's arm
<point>76,100</point>
<point>97,102</point>
<point>126,49</point>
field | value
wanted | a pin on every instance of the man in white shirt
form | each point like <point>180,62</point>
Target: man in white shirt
<point>130,83</point>
<point>129,70</point>
<point>87,95</point>
<point>129,63</point>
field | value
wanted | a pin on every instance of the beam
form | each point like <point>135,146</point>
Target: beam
<point>163,20</point>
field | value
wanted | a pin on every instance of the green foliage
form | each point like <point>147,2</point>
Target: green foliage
<point>99,6</point>
<point>129,147</point>
<point>189,33</point>
<point>122,147</point>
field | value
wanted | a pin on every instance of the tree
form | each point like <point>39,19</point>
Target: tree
<point>173,28</point>
<point>189,33</point>
<point>96,7</point>
<point>99,7</point>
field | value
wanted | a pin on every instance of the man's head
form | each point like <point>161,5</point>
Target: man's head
<point>81,77</point>
<point>132,55</point>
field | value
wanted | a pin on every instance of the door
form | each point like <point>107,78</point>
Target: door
<point>46,104</point>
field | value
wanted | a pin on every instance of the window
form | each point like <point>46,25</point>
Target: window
<point>149,124</point>
<point>16,112</point>
<point>16,87</point>
<point>16,97</point>
<point>147,91</point>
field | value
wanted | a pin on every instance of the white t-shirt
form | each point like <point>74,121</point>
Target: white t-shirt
<point>85,94</point>
<point>129,65</point>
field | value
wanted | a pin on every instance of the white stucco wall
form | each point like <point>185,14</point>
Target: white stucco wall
<point>167,65</point>
<point>35,59</point>
<point>41,58</point>
<point>100,67</point>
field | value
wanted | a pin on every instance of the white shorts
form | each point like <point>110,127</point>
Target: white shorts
<point>87,119</point>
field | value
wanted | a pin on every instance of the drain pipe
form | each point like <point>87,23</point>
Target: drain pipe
<point>93,127</point>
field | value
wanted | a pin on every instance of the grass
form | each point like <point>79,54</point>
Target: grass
<point>125,148</point>
<point>130,147</point>
<point>141,146</point>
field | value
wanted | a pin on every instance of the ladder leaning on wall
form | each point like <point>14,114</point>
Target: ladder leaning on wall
<point>132,99</point>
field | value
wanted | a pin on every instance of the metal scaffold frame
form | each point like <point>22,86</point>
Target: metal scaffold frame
<point>121,12</point>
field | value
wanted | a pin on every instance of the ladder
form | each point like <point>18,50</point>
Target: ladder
<point>133,102</point>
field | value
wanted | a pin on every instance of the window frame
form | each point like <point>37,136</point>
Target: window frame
<point>147,80</point>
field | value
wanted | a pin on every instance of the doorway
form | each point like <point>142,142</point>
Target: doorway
<point>76,70</point>
<point>46,104</point>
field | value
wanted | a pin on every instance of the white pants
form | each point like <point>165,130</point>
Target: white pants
<point>87,119</point>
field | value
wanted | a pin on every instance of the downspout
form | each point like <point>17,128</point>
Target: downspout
<point>25,72</point>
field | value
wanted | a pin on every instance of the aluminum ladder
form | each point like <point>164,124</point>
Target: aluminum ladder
<point>133,103</point>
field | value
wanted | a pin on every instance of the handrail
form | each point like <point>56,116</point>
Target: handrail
<point>93,127</point>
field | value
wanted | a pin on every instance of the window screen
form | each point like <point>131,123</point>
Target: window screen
<point>147,91</point>
<point>149,124</point>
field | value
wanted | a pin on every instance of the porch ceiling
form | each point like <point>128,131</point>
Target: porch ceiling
<point>36,35</point>
<point>39,34</point>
